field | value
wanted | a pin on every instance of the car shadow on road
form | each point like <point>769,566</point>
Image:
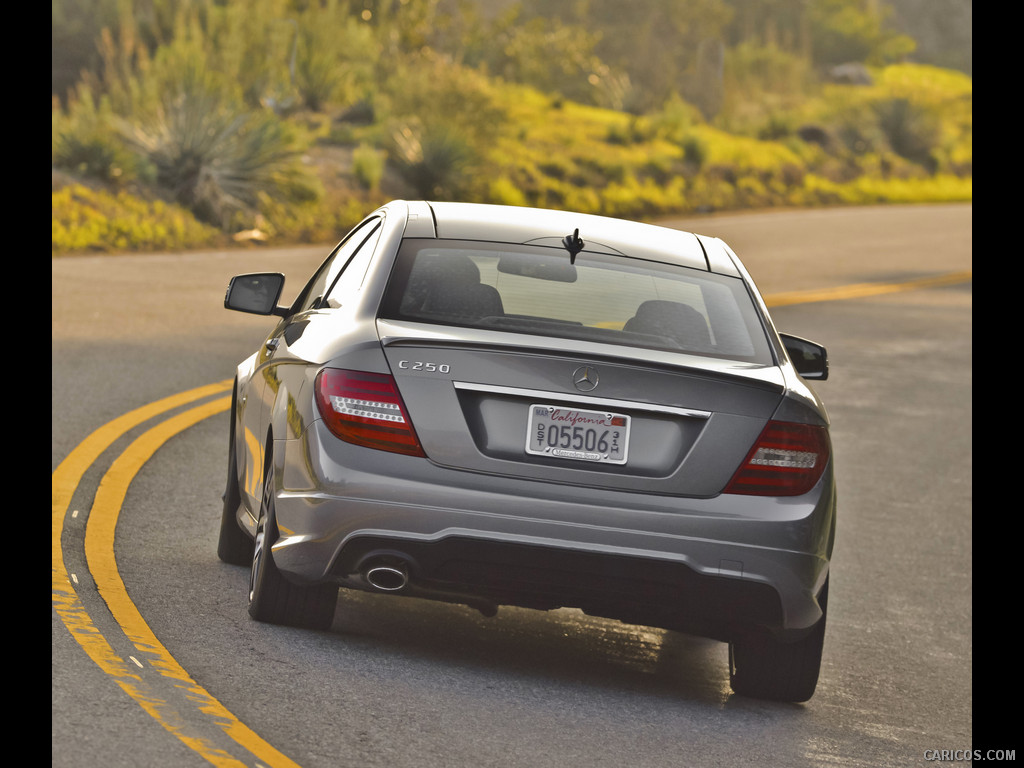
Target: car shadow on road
<point>561,645</point>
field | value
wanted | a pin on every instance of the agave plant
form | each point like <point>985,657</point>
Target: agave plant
<point>437,163</point>
<point>216,159</point>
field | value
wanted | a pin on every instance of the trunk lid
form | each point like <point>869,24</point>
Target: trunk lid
<point>581,413</point>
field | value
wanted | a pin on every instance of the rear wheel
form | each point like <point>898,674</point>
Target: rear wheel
<point>765,668</point>
<point>234,546</point>
<point>274,599</point>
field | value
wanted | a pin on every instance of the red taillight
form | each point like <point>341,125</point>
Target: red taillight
<point>366,409</point>
<point>786,460</point>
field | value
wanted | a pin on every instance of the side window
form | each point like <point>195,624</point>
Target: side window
<point>319,285</point>
<point>351,278</point>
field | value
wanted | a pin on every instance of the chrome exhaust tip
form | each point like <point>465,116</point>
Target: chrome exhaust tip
<point>387,578</point>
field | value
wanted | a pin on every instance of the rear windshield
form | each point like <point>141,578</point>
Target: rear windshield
<point>602,298</point>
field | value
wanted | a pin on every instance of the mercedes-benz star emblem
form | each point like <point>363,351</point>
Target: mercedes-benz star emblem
<point>585,378</point>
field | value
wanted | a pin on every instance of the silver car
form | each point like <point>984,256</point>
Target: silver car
<point>493,405</point>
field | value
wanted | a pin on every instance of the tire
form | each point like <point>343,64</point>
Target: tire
<point>762,667</point>
<point>234,545</point>
<point>272,598</point>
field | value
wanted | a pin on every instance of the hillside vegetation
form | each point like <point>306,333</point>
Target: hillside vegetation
<point>198,124</point>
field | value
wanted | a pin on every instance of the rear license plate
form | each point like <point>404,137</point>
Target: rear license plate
<point>570,433</point>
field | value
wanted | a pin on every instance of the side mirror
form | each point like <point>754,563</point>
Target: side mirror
<point>809,359</point>
<point>257,293</point>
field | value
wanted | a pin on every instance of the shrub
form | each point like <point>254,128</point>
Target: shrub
<point>333,56</point>
<point>216,158</point>
<point>752,70</point>
<point>84,144</point>
<point>912,131</point>
<point>777,126</point>
<point>842,32</point>
<point>86,220</point>
<point>695,151</point>
<point>368,166</point>
<point>316,221</point>
<point>98,156</point>
<point>674,119</point>
<point>633,131</point>
<point>436,165</point>
<point>504,192</point>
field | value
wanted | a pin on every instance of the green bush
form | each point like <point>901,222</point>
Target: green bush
<point>368,166</point>
<point>752,71</point>
<point>214,157</point>
<point>502,191</point>
<point>85,144</point>
<point>86,220</point>
<point>844,31</point>
<point>437,165</point>
<point>695,152</point>
<point>97,156</point>
<point>314,221</point>
<point>333,57</point>
<point>911,131</point>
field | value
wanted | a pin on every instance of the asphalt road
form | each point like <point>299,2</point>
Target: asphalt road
<point>399,682</point>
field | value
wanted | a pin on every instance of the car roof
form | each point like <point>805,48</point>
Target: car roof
<point>541,226</point>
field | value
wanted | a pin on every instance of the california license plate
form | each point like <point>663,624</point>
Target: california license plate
<point>571,433</point>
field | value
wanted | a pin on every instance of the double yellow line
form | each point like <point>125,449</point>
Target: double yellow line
<point>864,290</point>
<point>99,551</point>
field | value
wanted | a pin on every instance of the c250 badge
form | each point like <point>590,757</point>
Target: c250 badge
<point>428,367</point>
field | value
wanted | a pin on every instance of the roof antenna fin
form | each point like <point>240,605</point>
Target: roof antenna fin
<point>573,245</point>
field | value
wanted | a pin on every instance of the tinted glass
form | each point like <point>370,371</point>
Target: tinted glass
<point>350,281</point>
<point>611,299</point>
<point>318,286</point>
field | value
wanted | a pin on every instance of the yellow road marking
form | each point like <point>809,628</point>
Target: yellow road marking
<point>99,546</point>
<point>64,481</point>
<point>861,290</point>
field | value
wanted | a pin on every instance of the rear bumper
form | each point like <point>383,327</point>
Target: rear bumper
<point>709,566</point>
<point>633,589</point>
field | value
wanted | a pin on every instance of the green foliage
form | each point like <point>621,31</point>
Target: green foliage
<point>368,166</point>
<point>215,158</point>
<point>634,109</point>
<point>675,118</point>
<point>87,220</point>
<point>695,152</point>
<point>920,114</point>
<point>633,130</point>
<point>85,144</point>
<point>314,221</point>
<point>502,191</point>
<point>651,48</point>
<point>430,90</point>
<point>544,53</point>
<point>75,26</point>
<point>912,132</point>
<point>845,31</point>
<point>443,118</point>
<point>95,156</point>
<point>750,68</point>
<point>334,56</point>
<point>436,163</point>
<point>210,152</point>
